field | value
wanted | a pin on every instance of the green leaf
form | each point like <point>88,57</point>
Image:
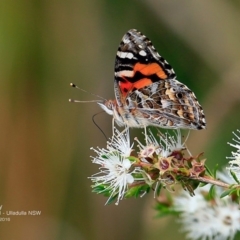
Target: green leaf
<point>105,156</point>
<point>194,184</point>
<point>111,199</point>
<point>209,171</point>
<point>202,184</point>
<point>133,159</point>
<point>164,210</point>
<point>238,193</point>
<point>102,189</point>
<point>137,176</point>
<point>234,176</point>
<point>226,193</point>
<point>99,188</point>
<point>105,191</point>
<point>158,189</point>
<point>215,171</point>
<point>211,194</point>
<point>137,191</point>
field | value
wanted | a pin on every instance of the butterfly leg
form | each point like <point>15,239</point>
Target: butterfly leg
<point>113,126</point>
<point>145,133</point>
<point>126,129</point>
<point>185,145</point>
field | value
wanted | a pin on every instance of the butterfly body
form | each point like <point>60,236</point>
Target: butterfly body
<point>146,90</point>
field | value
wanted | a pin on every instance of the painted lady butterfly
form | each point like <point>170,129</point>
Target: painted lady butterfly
<point>146,90</point>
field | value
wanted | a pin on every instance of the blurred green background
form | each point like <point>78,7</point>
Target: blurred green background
<point>45,141</point>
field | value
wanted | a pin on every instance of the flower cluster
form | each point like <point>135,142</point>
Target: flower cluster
<point>208,217</point>
<point>235,158</point>
<point>116,172</point>
<point>160,162</point>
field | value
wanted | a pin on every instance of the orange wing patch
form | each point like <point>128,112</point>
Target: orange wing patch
<point>142,83</point>
<point>146,70</point>
<point>149,69</point>
<point>127,86</point>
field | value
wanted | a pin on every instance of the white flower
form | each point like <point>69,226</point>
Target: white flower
<point>208,220</point>
<point>151,147</point>
<point>115,171</point>
<point>194,203</point>
<point>165,146</point>
<point>235,162</point>
<point>172,143</point>
<point>227,219</point>
<point>225,177</point>
<point>120,142</point>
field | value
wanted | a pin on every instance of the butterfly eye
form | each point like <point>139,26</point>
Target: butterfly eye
<point>110,105</point>
<point>179,95</point>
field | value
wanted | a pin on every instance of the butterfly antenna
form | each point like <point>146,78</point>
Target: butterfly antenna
<point>98,125</point>
<point>77,101</point>
<point>95,95</point>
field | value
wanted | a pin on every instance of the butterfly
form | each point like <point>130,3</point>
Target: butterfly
<point>146,89</point>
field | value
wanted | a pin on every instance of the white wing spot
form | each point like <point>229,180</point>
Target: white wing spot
<point>121,54</point>
<point>126,40</point>
<point>140,46</point>
<point>125,54</point>
<point>165,103</point>
<point>129,55</point>
<point>143,53</point>
<point>126,73</point>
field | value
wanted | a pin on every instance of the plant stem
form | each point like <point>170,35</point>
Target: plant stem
<point>207,179</point>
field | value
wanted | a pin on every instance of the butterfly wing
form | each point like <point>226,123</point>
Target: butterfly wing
<point>138,64</point>
<point>147,85</point>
